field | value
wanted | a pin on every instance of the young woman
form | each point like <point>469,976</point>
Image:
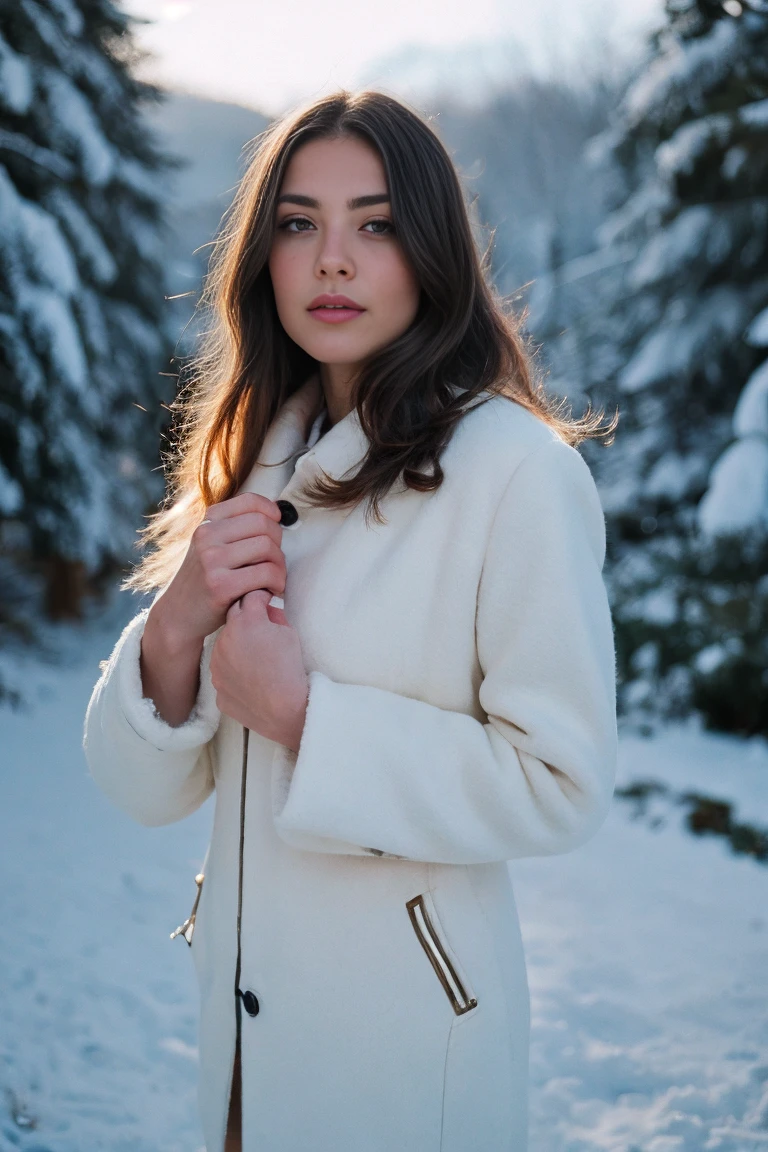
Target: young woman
<point>382,636</point>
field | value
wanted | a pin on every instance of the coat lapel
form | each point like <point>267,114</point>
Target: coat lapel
<point>335,453</point>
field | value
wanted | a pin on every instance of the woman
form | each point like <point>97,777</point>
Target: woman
<point>381,636</point>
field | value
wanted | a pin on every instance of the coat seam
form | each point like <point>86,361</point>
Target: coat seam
<point>445,1081</point>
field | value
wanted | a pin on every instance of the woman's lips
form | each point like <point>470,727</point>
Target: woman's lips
<point>335,315</point>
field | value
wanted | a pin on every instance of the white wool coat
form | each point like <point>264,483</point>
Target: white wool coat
<point>357,927</point>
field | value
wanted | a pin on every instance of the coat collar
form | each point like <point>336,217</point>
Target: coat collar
<point>341,448</point>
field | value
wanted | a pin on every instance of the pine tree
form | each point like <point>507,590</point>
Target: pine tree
<point>666,320</point>
<point>82,337</point>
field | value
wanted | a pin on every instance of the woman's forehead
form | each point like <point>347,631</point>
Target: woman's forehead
<point>347,167</point>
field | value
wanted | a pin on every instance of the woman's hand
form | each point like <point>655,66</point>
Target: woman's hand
<point>236,551</point>
<point>258,672</point>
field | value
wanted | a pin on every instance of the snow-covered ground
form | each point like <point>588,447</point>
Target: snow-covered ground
<point>647,954</point>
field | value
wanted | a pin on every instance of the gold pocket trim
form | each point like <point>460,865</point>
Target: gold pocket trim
<point>460,999</point>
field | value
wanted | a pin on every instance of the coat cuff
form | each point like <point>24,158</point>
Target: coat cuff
<point>140,711</point>
<point>293,782</point>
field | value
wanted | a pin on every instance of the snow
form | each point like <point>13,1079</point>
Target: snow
<point>673,475</point>
<point>70,15</point>
<point>737,498</point>
<point>49,30</point>
<point>672,247</point>
<point>74,121</point>
<point>673,349</point>
<point>134,329</point>
<point>10,204</point>
<point>101,74</point>
<point>755,114</point>
<point>93,326</point>
<point>645,206</point>
<point>98,1040</point>
<point>709,659</point>
<point>96,501</point>
<point>757,333</point>
<point>87,243</point>
<point>647,950</point>
<point>659,606</point>
<point>47,252</point>
<point>683,72</point>
<point>678,155</point>
<point>16,86</point>
<point>11,496</point>
<point>57,165</point>
<point>142,180</point>
<point>55,331</point>
<point>751,413</point>
<point>660,355</point>
<point>733,162</point>
<point>548,285</point>
<point>24,364</point>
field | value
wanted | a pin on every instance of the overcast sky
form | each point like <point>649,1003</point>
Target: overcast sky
<point>270,54</point>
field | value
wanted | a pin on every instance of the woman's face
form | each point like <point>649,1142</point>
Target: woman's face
<point>324,243</point>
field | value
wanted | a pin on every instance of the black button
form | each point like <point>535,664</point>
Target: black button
<point>250,1003</point>
<point>289,515</point>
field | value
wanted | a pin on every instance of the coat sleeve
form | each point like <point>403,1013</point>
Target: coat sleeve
<point>154,772</point>
<point>380,772</point>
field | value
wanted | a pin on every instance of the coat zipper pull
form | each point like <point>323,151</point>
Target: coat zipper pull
<point>188,927</point>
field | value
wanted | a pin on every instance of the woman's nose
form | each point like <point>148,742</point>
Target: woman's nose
<point>333,260</point>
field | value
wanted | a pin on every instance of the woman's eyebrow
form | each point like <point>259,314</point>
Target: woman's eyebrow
<point>356,202</point>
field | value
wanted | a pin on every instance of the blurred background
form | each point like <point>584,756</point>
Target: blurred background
<point>615,157</point>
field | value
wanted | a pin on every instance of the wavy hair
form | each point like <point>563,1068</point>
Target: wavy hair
<point>409,395</point>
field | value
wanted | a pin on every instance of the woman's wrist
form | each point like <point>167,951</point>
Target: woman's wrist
<point>297,722</point>
<point>168,633</point>
<point>170,664</point>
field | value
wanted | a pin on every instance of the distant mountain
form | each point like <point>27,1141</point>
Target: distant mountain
<point>470,74</point>
<point>209,136</point>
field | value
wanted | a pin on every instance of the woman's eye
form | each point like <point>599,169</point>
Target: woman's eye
<point>388,226</point>
<point>381,227</point>
<point>294,220</point>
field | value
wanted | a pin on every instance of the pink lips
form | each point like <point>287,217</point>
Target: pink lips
<point>335,315</point>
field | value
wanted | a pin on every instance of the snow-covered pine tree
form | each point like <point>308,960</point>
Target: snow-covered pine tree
<point>666,321</point>
<point>82,337</point>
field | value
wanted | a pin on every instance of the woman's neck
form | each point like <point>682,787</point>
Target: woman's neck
<point>337,382</point>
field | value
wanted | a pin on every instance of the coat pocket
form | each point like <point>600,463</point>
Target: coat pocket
<point>188,927</point>
<point>425,923</point>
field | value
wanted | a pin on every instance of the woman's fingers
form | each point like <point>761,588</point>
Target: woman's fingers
<point>245,502</point>
<point>234,609</point>
<point>249,579</point>
<point>222,586</point>
<point>252,550</point>
<point>274,612</point>
<point>244,526</point>
<point>256,601</point>
<point>237,550</point>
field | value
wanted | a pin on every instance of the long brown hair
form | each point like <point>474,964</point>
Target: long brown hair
<point>409,396</point>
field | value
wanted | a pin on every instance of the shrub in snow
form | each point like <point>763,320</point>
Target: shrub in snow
<point>82,342</point>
